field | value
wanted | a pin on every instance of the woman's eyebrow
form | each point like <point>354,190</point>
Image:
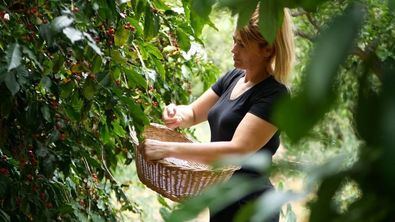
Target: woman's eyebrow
<point>235,39</point>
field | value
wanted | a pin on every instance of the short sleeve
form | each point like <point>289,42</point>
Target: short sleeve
<point>223,82</point>
<point>263,107</point>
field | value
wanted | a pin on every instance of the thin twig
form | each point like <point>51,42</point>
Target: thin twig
<point>295,13</point>
<point>304,35</point>
<point>313,22</point>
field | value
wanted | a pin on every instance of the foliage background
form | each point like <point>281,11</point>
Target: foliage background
<point>77,78</point>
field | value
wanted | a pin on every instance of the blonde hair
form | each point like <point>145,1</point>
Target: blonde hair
<point>283,53</point>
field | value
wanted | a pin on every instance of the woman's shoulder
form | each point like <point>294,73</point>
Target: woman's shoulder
<point>272,87</point>
<point>229,77</point>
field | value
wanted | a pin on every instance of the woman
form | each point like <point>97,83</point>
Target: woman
<point>238,106</point>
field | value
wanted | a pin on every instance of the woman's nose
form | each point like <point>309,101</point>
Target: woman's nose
<point>233,49</point>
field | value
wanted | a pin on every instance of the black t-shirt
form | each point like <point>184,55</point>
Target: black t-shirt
<point>226,114</point>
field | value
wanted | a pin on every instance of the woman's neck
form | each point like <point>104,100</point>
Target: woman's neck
<point>256,75</point>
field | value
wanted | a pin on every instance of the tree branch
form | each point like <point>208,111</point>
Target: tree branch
<point>304,35</point>
<point>297,13</point>
<point>313,22</point>
<point>367,55</point>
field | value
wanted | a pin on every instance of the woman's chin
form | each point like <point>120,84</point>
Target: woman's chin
<point>236,64</point>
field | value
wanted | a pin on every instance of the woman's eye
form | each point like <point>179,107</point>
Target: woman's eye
<point>238,43</point>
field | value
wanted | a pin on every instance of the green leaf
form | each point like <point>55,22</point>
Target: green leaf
<point>95,48</point>
<point>117,56</point>
<point>54,136</point>
<point>159,4</point>
<point>163,202</point>
<point>116,73</point>
<point>46,113</point>
<point>3,73</point>
<point>118,130</point>
<point>135,111</point>
<point>104,78</point>
<point>13,56</point>
<point>341,33</point>
<point>4,184</point>
<point>66,90</point>
<point>165,213</point>
<point>271,202</point>
<point>151,24</point>
<point>31,55</point>
<point>11,83</point>
<point>368,98</point>
<point>311,5</point>
<point>387,126</point>
<point>61,22</point>
<point>121,36</point>
<point>290,214</point>
<point>151,49</point>
<point>42,151</point>
<point>57,64</point>
<point>159,67</point>
<point>136,78</point>
<point>200,11</point>
<point>230,191</point>
<point>243,8</point>
<point>45,83</point>
<point>271,15</point>
<point>22,75</point>
<point>92,43</point>
<point>47,34</point>
<point>139,8</point>
<point>391,5</point>
<point>136,24</point>
<point>105,135</point>
<point>245,213</point>
<point>76,103</point>
<point>186,7</point>
<point>97,63</point>
<point>245,13</point>
<point>183,40</point>
<point>202,7</point>
<point>73,34</point>
<point>321,207</point>
<point>308,5</point>
<point>89,89</point>
<point>4,216</point>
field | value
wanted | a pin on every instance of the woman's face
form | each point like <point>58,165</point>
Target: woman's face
<point>247,56</point>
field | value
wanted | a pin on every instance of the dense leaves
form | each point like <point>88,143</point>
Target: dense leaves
<point>351,62</point>
<point>76,79</point>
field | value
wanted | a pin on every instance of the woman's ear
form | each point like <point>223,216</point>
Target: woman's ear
<point>267,51</point>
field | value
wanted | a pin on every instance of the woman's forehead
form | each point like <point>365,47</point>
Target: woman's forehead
<point>236,36</point>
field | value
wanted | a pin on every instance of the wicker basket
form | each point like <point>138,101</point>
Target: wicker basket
<point>174,178</point>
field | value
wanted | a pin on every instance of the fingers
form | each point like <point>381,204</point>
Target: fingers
<point>152,149</point>
<point>173,122</point>
<point>171,110</point>
<point>170,117</point>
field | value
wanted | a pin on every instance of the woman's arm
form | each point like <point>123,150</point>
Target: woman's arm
<point>251,134</point>
<point>188,115</point>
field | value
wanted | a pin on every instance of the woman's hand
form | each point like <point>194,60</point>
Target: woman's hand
<point>172,116</point>
<point>155,149</point>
